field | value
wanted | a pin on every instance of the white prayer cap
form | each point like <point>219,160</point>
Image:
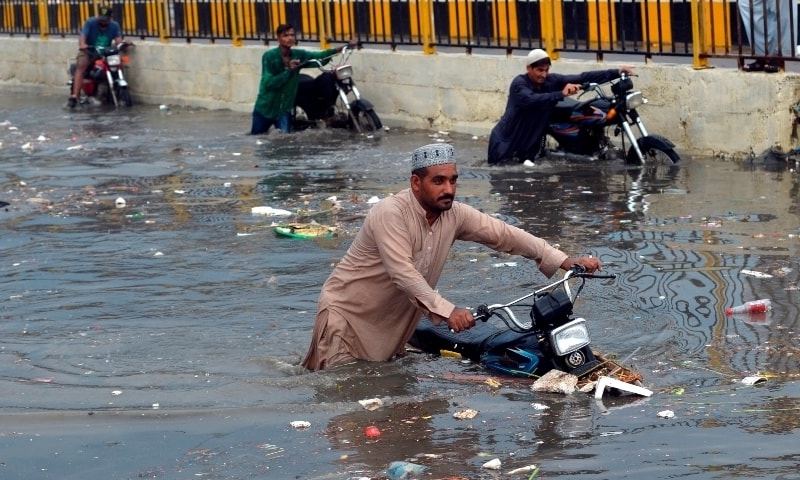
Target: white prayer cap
<point>433,154</point>
<point>536,55</point>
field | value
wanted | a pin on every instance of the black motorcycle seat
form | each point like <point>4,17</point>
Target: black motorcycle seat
<point>484,337</point>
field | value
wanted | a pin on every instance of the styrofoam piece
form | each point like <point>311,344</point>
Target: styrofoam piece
<point>604,382</point>
<point>269,211</point>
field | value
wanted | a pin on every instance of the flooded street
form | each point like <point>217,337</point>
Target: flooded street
<point>162,338</point>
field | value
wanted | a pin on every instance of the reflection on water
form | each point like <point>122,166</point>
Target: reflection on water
<point>185,304</point>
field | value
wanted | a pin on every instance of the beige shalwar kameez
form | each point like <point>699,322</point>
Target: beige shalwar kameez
<point>372,301</point>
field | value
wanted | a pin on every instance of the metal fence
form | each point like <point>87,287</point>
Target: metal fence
<point>701,29</point>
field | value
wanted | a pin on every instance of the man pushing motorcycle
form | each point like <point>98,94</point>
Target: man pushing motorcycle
<point>520,133</point>
<point>98,32</point>
<point>371,303</point>
<point>279,80</point>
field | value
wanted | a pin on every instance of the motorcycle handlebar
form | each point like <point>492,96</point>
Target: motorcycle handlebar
<point>93,50</point>
<point>484,311</point>
<point>579,271</point>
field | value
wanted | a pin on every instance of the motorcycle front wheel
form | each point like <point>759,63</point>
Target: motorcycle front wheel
<point>656,152</point>
<point>368,121</point>
<point>125,97</point>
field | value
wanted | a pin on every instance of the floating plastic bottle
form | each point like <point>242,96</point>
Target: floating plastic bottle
<point>753,306</point>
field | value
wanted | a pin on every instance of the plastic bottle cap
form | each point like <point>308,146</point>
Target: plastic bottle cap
<point>728,311</point>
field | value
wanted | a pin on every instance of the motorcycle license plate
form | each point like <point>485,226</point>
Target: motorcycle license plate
<point>113,60</point>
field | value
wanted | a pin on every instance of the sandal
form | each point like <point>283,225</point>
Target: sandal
<point>757,66</point>
<point>771,67</point>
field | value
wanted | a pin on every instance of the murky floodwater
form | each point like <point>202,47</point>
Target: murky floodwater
<point>161,340</point>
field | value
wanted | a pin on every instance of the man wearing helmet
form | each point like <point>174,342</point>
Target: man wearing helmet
<point>99,32</point>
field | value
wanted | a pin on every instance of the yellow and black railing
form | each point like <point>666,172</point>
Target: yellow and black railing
<point>701,29</point>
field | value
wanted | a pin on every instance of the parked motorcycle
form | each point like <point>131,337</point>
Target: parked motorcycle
<point>104,79</point>
<point>552,339</point>
<point>581,127</point>
<point>332,98</point>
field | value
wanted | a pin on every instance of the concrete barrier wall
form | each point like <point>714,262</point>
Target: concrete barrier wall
<point>717,111</point>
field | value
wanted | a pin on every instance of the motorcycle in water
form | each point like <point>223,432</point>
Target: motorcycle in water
<point>580,128</point>
<point>104,79</point>
<point>552,339</point>
<point>332,98</point>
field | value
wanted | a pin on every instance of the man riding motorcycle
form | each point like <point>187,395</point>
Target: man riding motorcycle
<point>98,32</point>
<point>519,135</point>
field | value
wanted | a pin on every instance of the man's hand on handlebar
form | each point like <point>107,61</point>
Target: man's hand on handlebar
<point>591,264</point>
<point>571,89</point>
<point>461,319</point>
<point>352,44</point>
<point>627,69</point>
<point>295,64</point>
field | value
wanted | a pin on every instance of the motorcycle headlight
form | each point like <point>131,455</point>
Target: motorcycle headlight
<point>112,60</point>
<point>570,337</point>
<point>634,100</point>
<point>344,72</point>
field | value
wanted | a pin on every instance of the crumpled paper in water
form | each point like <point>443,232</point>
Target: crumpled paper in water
<point>556,381</point>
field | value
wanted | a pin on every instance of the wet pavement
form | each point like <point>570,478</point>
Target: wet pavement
<point>162,339</point>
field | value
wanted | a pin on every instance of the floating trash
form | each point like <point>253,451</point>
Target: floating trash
<point>505,264</point>
<point>372,431</point>
<point>116,393</point>
<point>604,382</point>
<point>525,469</point>
<point>371,403</point>
<point>493,383</point>
<point>119,202</point>
<point>305,230</point>
<point>269,211</point>
<point>403,470</point>
<point>666,414</point>
<point>467,414</point>
<point>753,273</point>
<point>556,381</point>
<point>300,424</point>
<point>493,464</point>
<point>754,380</point>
